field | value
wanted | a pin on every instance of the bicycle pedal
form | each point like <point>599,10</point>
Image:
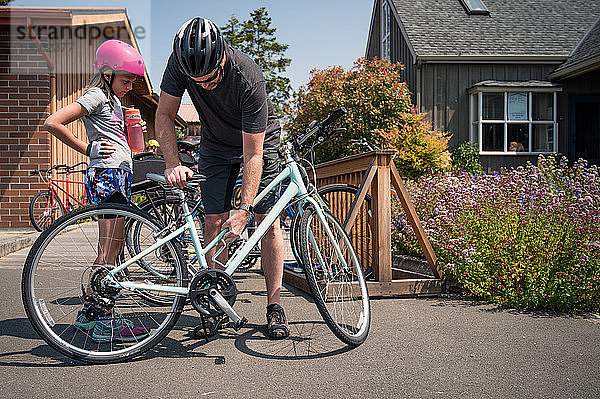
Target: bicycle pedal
<point>241,322</point>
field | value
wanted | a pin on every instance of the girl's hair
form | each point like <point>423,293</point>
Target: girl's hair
<point>99,81</point>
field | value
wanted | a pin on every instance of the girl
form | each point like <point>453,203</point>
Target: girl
<point>108,178</point>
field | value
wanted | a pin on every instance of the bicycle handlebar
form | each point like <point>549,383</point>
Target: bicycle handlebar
<point>320,127</point>
<point>67,168</point>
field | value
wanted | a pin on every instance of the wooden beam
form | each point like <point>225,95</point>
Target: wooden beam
<point>413,218</point>
<point>362,192</point>
<point>381,203</point>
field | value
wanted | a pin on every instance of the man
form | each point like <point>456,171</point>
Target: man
<point>228,91</point>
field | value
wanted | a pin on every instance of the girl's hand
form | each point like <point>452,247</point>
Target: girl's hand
<point>143,124</point>
<point>105,148</point>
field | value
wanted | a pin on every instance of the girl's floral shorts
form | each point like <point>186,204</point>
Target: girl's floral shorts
<point>108,185</point>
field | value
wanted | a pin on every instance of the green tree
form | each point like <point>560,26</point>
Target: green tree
<point>379,109</point>
<point>256,38</point>
<point>4,2</point>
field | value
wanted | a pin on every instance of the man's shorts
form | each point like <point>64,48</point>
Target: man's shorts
<point>221,171</point>
<point>107,185</point>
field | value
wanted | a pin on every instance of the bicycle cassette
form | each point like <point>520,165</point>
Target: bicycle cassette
<point>201,285</point>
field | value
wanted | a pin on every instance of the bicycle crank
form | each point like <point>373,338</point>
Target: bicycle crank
<point>213,293</point>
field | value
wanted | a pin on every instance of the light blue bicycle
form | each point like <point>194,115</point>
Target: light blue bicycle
<point>59,275</point>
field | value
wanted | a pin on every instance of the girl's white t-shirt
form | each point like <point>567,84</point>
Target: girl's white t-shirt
<point>105,120</point>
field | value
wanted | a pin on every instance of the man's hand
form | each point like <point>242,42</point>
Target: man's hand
<point>235,224</point>
<point>178,175</point>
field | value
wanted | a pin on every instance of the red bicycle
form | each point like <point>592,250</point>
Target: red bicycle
<point>46,206</point>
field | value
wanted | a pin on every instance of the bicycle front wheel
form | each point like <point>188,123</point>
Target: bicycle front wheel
<point>339,198</point>
<point>76,309</point>
<point>44,209</point>
<point>334,276</point>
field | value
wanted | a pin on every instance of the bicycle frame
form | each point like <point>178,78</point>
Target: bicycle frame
<point>296,188</point>
<point>53,185</point>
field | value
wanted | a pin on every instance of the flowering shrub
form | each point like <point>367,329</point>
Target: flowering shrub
<point>379,109</point>
<point>527,237</point>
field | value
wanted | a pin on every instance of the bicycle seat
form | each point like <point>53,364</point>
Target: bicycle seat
<point>189,144</point>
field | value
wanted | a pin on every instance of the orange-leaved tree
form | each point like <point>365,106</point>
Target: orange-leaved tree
<point>379,109</point>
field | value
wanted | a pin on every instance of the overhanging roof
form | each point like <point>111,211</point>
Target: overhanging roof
<point>584,58</point>
<point>491,85</point>
<point>74,16</point>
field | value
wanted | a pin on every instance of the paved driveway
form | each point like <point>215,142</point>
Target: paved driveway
<point>417,348</point>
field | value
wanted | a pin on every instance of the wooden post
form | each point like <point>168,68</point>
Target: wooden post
<point>375,172</point>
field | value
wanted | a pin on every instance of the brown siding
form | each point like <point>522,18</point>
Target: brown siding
<point>399,51</point>
<point>575,90</point>
<point>445,86</point>
<point>374,41</point>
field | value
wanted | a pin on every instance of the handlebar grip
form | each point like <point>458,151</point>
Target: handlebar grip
<point>335,115</point>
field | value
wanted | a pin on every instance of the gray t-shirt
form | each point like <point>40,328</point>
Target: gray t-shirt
<point>238,103</point>
<point>105,121</point>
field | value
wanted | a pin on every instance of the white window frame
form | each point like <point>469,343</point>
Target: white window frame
<point>385,30</point>
<point>476,121</point>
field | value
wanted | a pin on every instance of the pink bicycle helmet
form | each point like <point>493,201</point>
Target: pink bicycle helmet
<point>119,56</point>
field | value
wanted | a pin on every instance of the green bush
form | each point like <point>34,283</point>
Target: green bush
<point>465,157</point>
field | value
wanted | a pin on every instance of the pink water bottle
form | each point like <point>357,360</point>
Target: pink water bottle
<point>135,135</point>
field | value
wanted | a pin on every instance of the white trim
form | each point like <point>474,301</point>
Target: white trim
<point>511,89</point>
<point>386,35</point>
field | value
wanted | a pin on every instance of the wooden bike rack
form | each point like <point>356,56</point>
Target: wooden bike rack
<point>374,172</point>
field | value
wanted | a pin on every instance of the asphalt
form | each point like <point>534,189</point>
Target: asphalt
<point>444,347</point>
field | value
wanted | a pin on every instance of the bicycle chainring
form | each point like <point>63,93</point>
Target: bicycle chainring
<point>200,287</point>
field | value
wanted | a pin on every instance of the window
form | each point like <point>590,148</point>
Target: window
<point>514,121</point>
<point>385,31</point>
<point>475,7</point>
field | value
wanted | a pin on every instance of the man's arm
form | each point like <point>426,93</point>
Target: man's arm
<point>253,164</point>
<point>166,113</point>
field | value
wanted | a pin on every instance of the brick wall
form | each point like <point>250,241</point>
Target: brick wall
<point>24,105</point>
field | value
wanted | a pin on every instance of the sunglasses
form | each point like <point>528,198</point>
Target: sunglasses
<point>211,78</point>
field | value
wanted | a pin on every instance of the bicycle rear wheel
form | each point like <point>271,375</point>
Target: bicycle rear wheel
<point>339,197</point>
<point>61,274</point>
<point>336,282</point>
<point>44,209</point>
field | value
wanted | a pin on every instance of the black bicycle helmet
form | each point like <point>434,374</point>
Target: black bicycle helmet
<point>198,47</point>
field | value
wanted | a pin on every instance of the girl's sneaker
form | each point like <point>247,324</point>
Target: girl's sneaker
<point>111,328</point>
<point>82,322</point>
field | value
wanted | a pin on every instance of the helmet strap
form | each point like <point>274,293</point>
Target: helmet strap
<point>109,81</point>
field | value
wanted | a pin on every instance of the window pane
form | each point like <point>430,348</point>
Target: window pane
<point>543,106</point>
<point>475,5</point>
<point>518,137</point>
<point>493,136</point>
<point>493,106</point>
<point>517,107</point>
<point>543,138</point>
<point>475,110</point>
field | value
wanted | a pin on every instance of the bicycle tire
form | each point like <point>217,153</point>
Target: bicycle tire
<point>340,293</point>
<point>57,272</point>
<point>40,202</point>
<point>361,233</point>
